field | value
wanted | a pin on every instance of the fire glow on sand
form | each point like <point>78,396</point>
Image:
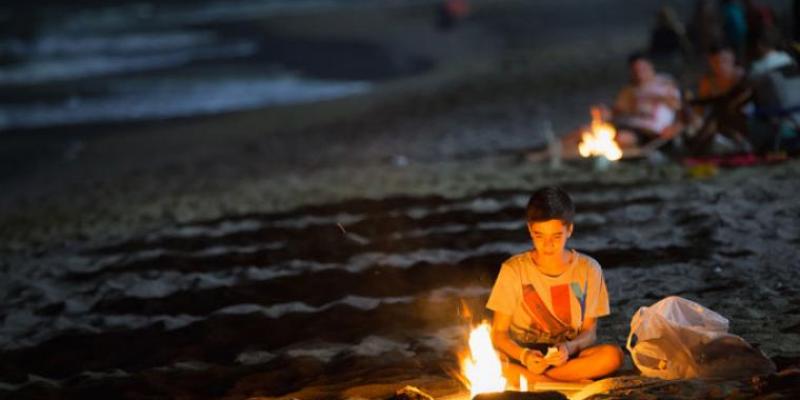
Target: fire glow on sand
<point>599,141</point>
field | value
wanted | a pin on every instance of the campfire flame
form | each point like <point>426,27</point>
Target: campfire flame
<point>599,140</point>
<point>482,368</point>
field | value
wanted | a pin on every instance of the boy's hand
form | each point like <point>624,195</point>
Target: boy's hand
<point>557,355</point>
<point>534,361</point>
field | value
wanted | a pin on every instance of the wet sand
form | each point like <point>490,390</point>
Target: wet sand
<point>266,254</point>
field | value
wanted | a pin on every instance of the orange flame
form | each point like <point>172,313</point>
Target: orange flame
<point>482,368</point>
<point>599,140</point>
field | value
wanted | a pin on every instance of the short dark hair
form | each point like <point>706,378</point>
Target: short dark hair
<point>718,47</point>
<point>548,203</point>
<point>636,56</point>
<point>766,38</point>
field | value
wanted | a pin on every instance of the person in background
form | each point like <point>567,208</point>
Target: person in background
<point>775,79</point>
<point>644,114</point>
<point>721,96</point>
<point>646,108</point>
<point>767,57</point>
<point>723,73</point>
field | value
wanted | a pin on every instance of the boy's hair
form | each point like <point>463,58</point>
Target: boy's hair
<point>548,203</point>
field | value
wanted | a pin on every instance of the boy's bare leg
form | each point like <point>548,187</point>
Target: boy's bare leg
<point>594,362</point>
<point>513,371</point>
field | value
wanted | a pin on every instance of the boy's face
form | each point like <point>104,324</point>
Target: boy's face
<point>550,237</point>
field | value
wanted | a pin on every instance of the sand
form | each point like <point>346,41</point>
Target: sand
<point>270,254</point>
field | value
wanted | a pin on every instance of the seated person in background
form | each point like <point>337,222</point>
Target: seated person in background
<point>723,74</point>
<point>767,57</point>
<point>774,125</point>
<point>551,297</point>
<point>647,107</point>
<point>722,94</point>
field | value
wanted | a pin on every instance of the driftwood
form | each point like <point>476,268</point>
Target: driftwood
<point>550,395</point>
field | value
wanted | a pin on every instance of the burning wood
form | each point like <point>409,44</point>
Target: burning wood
<point>482,374</point>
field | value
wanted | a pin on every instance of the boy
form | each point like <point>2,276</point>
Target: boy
<point>552,297</point>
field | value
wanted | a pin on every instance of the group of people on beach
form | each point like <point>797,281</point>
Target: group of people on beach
<point>546,301</point>
<point>747,101</point>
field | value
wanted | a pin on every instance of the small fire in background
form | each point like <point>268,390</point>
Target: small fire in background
<point>481,367</point>
<point>599,141</point>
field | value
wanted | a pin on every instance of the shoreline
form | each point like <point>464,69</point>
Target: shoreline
<point>42,166</point>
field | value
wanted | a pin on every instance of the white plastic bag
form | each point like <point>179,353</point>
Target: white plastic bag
<point>677,338</point>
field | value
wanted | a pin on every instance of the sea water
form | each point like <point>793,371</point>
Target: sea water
<point>136,60</point>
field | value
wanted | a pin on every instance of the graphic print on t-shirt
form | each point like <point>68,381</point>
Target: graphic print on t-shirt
<point>559,296</point>
<point>580,294</point>
<point>541,318</point>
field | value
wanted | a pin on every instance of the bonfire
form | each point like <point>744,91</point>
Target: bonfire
<point>482,368</point>
<point>599,140</point>
<point>482,373</point>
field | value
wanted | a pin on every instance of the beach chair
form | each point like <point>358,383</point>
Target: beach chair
<point>777,111</point>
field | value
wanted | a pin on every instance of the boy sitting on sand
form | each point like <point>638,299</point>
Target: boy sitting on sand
<point>551,297</point>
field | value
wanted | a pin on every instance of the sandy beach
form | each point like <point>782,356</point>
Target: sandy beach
<point>323,250</point>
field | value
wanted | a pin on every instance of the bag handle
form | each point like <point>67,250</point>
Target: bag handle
<point>637,320</point>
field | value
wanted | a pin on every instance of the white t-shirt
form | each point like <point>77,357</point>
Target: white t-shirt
<point>549,309</point>
<point>643,105</point>
<point>772,60</point>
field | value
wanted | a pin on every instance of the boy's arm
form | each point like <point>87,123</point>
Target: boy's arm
<point>500,325</point>
<point>586,338</point>
<point>533,360</point>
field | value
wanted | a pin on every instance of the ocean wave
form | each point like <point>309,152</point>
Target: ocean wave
<point>176,98</point>
<point>122,43</point>
<point>206,12</point>
<point>44,70</point>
